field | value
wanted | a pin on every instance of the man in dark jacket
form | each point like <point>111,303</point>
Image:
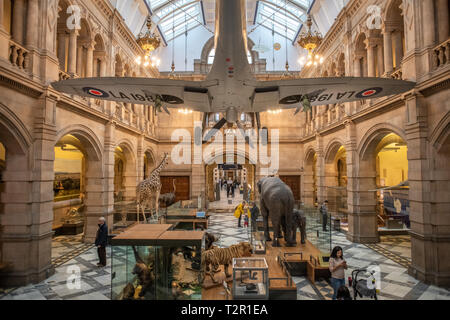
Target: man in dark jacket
<point>100,241</point>
<point>254,213</point>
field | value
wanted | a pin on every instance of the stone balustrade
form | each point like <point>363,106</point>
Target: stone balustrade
<point>18,55</point>
<point>441,55</point>
<point>397,74</point>
<point>63,75</point>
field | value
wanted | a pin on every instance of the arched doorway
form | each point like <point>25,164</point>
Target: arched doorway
<point>336,179</point>
<point>240,170</point>
<point>80,139</point>
<point>25,208</point>
<point>149,163</point>
<point>125,174</point>
<point>310,178</point>
<point>68,186</point>
<point>395,36</point>
<point>383,163</point>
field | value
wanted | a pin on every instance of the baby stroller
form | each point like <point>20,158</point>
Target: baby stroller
<point>360,285</point>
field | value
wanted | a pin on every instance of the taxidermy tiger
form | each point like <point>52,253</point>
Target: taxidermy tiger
<point>217,256</point>
<point>143,273</point>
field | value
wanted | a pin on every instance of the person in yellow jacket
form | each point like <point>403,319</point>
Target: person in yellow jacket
<point>242,208</point>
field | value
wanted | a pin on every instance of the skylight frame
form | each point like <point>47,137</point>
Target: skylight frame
<point>187,15</point>
<point>282,13</point>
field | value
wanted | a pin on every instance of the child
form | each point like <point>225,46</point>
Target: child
<point>245,221</point>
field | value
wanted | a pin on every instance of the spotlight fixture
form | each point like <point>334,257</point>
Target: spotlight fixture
<point>276,111</point>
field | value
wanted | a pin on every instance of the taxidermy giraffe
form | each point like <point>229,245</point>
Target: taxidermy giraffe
<point>148,190</point>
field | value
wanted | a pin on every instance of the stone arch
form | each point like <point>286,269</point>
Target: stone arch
<point>336,175</point>
<point>62,35</point>
<point>310,177</point>
<point>374,133</point>
<point>125,153</point>
<point>16,205</point>
<point>94,195</point>
<point>210,164</point>
<point>16,130</point>
<point>88,138</point>
<point>366,200</point>
<point>332,148</point>
<point>360,66</point>
<point>394,25</point>
<point>99,62</point>
<point>440,133</point>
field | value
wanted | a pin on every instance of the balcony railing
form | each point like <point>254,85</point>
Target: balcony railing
<point>18,55</point>
<point>63,75</point>
<point>441,55</point>
<point>397,74</point>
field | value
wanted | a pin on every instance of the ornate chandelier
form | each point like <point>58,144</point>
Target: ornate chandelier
<point>149,42</point>
<point>310,41</point>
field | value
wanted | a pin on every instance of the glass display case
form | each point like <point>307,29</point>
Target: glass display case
<point>256,237</point>
<point>154,262</point>
<point>250,279</point>
<point>318,227</point>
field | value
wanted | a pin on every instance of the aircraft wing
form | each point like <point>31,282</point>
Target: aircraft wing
<point>149,91</point>
<point>285,94</point>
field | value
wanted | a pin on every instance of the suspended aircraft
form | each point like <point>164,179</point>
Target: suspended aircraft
<point>230,87</point>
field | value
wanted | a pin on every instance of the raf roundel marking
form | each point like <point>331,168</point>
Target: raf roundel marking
<point>367,93</point>
<point>96,92</point>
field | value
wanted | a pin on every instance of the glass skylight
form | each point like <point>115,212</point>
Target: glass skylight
<point>283,16</point>
<point>175,17</point>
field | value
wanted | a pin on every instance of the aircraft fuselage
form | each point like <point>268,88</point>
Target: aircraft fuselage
<point>230,67</point>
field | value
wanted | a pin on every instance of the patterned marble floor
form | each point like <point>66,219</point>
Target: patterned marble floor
<point>395,282</point>
<point>226,203</point>
<point>95,283</point>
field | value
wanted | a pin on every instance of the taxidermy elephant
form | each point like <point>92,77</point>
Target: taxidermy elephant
<point>300,222</point>
<point>277,202</point>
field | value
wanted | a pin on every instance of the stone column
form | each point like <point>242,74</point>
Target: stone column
<point>442,19</point>
<point>388,61</point>
<point>397,38</point>
<point>18,20</point>
<point>2,3</point>
<point>80,60</point>
<point>428,196</point>
<point>89,59</point>
<point>370,58</point>
<point>103,67</point>
<point>140,158</point>
<point>362,221</point>
<point>72,65</point>
<point>380,62</point>
<point>27,218</point>
<point>357,66</point>
<point>320,170</point>
<point>4,36</point>
<point>109,171</point>
<point>428,22</point>
<point>62,50</point>
<point>32,23</point>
